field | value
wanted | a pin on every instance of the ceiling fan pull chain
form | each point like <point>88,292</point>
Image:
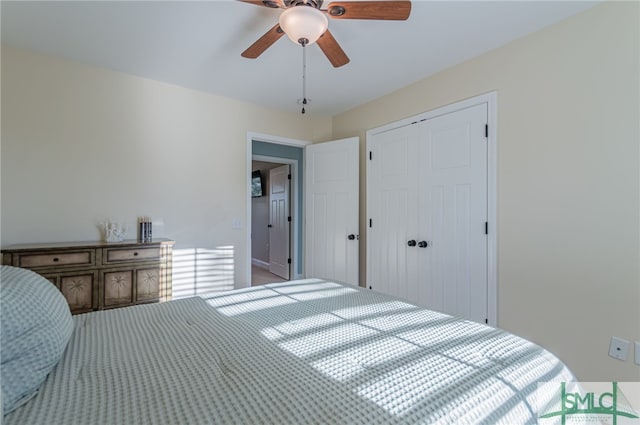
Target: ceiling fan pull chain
<point>304,76</point>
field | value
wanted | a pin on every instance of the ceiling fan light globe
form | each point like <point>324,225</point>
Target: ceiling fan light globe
<point>303,22</point>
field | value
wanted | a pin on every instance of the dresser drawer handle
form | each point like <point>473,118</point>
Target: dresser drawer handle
<point>56,259</point>
<point>135,254</point>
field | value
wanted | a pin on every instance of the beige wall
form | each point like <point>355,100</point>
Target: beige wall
<point>568,179</point>
<point>81,144</point>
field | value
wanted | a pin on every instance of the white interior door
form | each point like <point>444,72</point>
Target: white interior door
<point>331,210</point>
<point>279,221</point>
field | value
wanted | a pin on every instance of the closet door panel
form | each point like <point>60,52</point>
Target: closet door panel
<point>392,199</point>
<point>453,211</point>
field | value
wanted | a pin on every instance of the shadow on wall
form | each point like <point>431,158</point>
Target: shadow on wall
<point>200,271</point>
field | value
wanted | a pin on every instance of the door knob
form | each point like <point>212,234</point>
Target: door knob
<point>351,237</point>
<point>411,243</point>
<point>423,244</point>
<point>269,225</point>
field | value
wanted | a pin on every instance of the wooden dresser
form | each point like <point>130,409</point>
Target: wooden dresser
<point>100,275</point>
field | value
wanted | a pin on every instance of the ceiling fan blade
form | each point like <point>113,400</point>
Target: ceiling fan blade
<point>263,43</point>
<point>397,10</point>
<point>332,50</point>
<point>267,3</point>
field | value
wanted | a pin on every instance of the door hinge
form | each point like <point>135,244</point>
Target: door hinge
<point>486,130</point>
<point>289,218</point>
<point>370,223</point>
<point>289,176</point>
<point>486,227</point>
<point>288,260</point>
<point>370,155</point>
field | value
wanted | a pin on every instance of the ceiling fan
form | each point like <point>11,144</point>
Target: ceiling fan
<point>305,22</point>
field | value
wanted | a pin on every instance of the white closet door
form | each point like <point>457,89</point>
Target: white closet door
<point>427,183</point>
<point>453,213</point>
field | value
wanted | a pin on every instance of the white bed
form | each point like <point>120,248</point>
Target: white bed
<point>301,352</point>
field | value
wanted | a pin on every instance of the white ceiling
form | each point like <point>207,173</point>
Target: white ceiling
<point>198,44</point>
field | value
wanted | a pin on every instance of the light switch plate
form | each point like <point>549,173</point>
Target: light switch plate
<point>619,348</point>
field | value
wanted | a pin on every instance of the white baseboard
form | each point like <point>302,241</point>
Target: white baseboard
<point>260,263</point>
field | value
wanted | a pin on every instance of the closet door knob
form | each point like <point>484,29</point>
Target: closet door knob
<point>411,243</point>
<point>423,244</point>
<point>351,237</point>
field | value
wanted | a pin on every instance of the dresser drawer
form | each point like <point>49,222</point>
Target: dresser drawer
<point>115,255</point>
<point>56,259</point>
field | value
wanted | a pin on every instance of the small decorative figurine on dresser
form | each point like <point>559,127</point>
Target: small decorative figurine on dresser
<point>113,231</point>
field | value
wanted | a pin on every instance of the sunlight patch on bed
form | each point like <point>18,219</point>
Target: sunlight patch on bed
<point>327,339</point>
<point>419,380</point>
<point>326,293</point>
<point>348,363</point>
<point>255,305</point>
<point>297,326</point>
<point>307,323</point>
<point>242,296</point>
<point>272,334</point>
<point>443,334</point>
<point>406,319</point>
<point>373,309</point>
<point>304,286</point>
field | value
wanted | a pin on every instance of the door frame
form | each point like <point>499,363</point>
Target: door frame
<point>292,201</point>
<point>295,169</point>
<point>491,100</point>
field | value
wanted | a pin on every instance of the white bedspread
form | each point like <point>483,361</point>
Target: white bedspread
<point>302,352</point>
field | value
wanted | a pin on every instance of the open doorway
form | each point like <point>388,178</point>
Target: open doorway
<point>270,222</point>
<point>279,150</point>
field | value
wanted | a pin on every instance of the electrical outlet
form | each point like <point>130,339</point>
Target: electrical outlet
<point>636,358</point>
<point>619,348</point>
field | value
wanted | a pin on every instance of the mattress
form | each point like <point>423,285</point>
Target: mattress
<point>300,352</point>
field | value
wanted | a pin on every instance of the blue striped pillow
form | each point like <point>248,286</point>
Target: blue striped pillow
<point>36,326</point>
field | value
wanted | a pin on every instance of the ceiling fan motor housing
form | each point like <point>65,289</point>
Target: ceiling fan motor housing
<point>313,3</point>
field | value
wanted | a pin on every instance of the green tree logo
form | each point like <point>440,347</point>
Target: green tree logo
<point>589,406</point>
